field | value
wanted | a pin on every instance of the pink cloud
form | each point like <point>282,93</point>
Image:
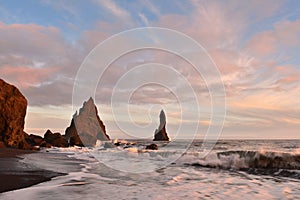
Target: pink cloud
<point>284,35</point>
<point>91,38</point>
<point>31,40</point>
<point>264,43</point>
<point>219,26</point>
<point>25,77</point>
<point>40,61</point>
<point>101,31</point>
<point>288,32</point>
<point>287,75</point>
<point>227,61</point>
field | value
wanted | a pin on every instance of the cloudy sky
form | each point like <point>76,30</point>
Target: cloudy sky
<point>255,46</point>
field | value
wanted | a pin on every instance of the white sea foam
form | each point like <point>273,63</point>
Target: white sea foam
<point>93,178</point>
<point>297,151</point>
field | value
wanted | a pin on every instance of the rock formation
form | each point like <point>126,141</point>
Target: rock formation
<point>72,135</point>
<point>34,140</point>
<point>55,139</point>
<point>86,127</point>
<point>152,147</point>
<point>2,145</point>
<point>13,107</point>
<point>161,133</point>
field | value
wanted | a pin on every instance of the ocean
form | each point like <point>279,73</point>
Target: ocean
<point>234,169</point>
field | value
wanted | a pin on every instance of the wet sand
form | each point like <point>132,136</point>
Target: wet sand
<point>16,175</point>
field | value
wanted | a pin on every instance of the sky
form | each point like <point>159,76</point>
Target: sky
<point>255,46</point>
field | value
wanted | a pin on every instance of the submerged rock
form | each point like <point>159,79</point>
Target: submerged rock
<point>86,127</point>
<point>152,147</point>
<point>117,144</point>
<point>161,133</point>
<point>109,145</point>
<point>13,107</point>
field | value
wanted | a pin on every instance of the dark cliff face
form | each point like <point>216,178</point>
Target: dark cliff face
<point>161,133</point>
<point>86,127</point>
<point>13,107</point>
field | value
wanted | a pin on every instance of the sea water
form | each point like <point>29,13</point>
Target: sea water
<point>234,169</point>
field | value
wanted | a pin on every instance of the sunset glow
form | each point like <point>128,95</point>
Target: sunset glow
<point>255,45</point>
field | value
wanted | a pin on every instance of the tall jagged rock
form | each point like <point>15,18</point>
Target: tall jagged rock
<point>161,133</point>
<point>86,127</point>
<point>13,107</point>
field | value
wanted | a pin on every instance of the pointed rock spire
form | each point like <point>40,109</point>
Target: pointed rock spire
<point>161,133</point>
<point>86,127</point>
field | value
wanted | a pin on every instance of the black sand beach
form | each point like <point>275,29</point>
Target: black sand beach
<point>16,175</point>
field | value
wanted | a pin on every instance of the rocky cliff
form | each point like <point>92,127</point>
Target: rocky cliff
<point>161,133</point>
<point>86,126</point>
<point>13,107</point>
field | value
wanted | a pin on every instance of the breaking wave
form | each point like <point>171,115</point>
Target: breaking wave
<point>256,162</point>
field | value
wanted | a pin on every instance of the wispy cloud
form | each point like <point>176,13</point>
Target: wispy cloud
<point>150,6</point>
<point>114,9</point>
<point>64,5</point>
<point>144,19</point>
<point>256,51</point>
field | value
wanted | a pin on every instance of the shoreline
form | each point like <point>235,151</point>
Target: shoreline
<point>16,175</point>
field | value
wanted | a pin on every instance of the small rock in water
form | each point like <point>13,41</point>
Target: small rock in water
<point>127,146</point>
<point>117,144</point>
<point>108,145</point>
<point>152,147</point>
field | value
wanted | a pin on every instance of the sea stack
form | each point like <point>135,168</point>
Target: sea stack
<point>86,127</point>
<point>13,107</point>
<point>161,133</point>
